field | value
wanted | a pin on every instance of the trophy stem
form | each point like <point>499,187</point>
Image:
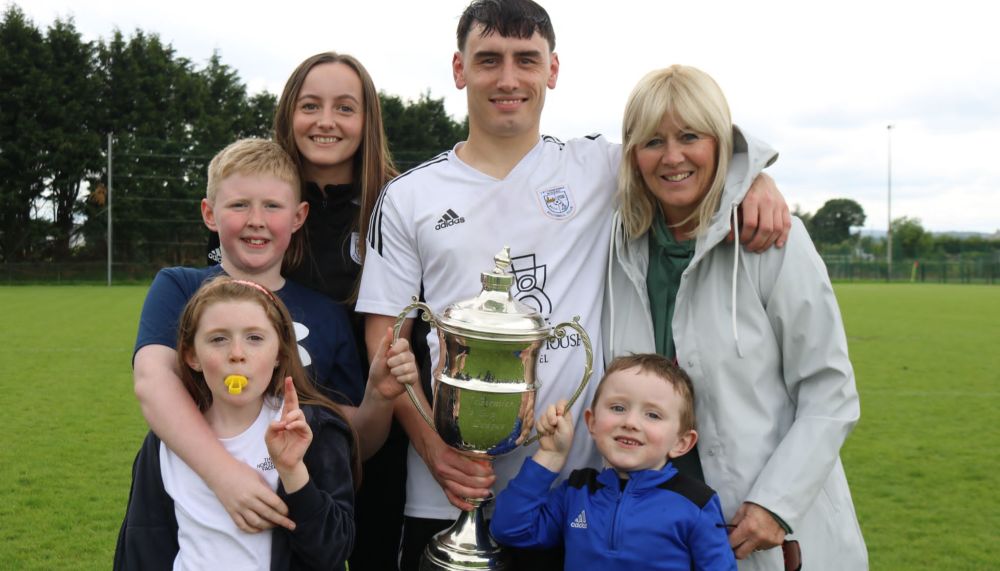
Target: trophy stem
<point>467,544</point>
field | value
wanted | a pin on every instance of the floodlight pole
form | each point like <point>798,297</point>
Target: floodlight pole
<point>109,208</point>
<point>888,234</point>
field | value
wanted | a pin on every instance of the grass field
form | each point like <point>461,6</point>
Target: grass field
<point>923,463</point>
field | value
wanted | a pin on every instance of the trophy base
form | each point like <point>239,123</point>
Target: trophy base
<point>465,545</point>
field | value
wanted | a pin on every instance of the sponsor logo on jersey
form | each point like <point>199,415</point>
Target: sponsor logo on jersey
<point>529,289</point>
<point>449,219</point>
<point>216,255</point>
<point>581,521</point>
<point>565,342</point>
<point>529,283</point>
<point>557,202</point>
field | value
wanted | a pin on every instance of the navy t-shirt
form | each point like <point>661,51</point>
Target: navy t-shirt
<point>326,343</point>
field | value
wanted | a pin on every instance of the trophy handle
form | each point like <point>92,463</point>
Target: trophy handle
<point>558,332</point>
<point>427,316</point>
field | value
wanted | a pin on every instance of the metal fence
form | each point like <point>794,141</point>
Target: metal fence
<point>972,271</point>
<point>78,273</point>
<point>962,271</point>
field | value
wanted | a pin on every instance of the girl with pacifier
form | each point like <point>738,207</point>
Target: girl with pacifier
<point>239,362</point>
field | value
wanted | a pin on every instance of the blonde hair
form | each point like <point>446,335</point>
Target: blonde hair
<point>251,157</point>
<point>693,99</point>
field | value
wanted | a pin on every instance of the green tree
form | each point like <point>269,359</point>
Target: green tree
<point>418,130</point>
<point>23,141</point>
<point>261,114</point>
<point>224,113</point>
<point>872,245</point>
<point>75,144</point>
<point>964,246</point>
<point>63,96</point>
<point>909,238</point>
<point>832,223</point>
<point>148,101</point>
<point>168,119</point>
<point>220,115</point>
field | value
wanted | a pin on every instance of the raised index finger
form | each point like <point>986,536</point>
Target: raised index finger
<point>291,397</point>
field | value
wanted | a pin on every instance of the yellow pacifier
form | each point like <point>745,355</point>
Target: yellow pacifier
<point>235,383</point>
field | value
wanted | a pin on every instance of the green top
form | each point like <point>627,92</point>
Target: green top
<point>668,259</point>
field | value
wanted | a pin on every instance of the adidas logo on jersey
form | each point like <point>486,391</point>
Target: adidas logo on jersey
<point>216,255</point>
<point>581,520</point>
<point>449,219</point>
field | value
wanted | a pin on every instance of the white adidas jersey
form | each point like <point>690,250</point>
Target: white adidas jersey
<point>438,226</point>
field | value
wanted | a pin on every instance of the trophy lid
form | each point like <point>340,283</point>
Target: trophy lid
<point>494,314</point>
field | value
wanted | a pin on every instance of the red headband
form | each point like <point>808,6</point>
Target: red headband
<point>257,287</point>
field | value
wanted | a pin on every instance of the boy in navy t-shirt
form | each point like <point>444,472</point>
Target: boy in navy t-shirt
<point>253,202</point>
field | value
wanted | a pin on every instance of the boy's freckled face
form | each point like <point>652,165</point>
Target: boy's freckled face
<point>235,338</point>
<point>636,421</point>
<point>255,216</point>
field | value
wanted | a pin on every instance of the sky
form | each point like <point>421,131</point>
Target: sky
<point>819,81</point>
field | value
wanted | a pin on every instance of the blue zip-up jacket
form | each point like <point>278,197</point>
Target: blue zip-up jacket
<point>661,520</point>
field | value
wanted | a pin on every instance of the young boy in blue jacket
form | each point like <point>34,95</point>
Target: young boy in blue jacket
<point>637,513</point>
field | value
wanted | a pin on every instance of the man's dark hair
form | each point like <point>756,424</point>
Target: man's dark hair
<point>509,18</point>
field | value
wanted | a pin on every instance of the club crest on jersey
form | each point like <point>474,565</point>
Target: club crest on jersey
<point>355,250</point>
<point>557,202</point>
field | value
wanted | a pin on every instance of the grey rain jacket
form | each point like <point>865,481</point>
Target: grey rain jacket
<point>762,338</point>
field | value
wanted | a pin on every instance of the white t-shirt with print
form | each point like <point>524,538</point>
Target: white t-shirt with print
<point>207,536</point>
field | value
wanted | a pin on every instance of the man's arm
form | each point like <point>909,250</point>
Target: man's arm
<point>391,367</point>
<point>766,219</point>
<point>458,475</point>
<point>173,416</point>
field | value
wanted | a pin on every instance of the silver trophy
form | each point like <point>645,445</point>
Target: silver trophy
<point>484,397</point>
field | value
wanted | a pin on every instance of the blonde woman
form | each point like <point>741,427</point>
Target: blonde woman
<point>760,334</point>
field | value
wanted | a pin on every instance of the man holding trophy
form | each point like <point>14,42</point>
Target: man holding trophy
<point>438,225</point>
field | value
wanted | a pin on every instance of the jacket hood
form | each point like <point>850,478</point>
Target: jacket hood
<point>750,157</point>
